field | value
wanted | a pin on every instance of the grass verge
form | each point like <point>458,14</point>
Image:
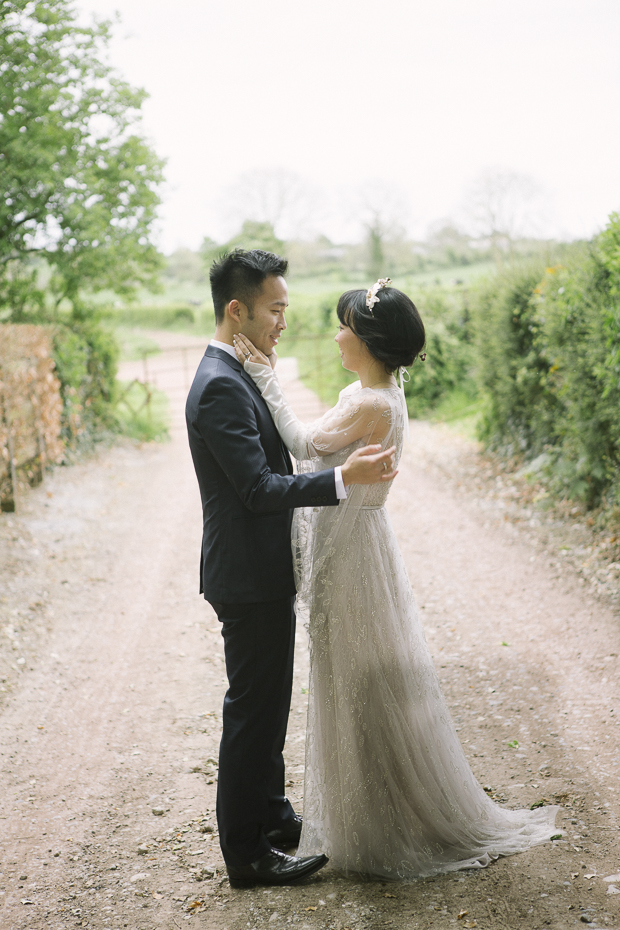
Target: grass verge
<point>142,412</point>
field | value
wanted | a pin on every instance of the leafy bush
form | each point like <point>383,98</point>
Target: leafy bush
<point>518,412</point>
<point>448,368</point>
<point>548,343</point>
<point>579,314</point>
<point>86,357</point>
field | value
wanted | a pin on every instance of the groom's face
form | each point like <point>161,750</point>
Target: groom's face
<point>264,322</point>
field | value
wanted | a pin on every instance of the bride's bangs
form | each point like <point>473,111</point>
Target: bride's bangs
<point>351,305</point>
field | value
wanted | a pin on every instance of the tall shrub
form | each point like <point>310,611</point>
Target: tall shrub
<point>548,346</point>
<point>449,349</point>
<point>578,308</point>
<point>86,358</point>
<point>513,367</point>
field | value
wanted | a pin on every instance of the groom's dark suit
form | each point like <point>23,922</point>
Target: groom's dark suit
<point>248,494</point>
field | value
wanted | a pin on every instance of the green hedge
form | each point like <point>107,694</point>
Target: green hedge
<point>95,404</point>
<point>172,316</point>
<point>548,363</point>
<point>448,368</point>
<point>86,357</point>
<point>518,410</point>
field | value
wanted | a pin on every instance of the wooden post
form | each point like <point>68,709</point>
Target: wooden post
<point>42,451</point>
<point>9,504</point>
<point>13,470</point>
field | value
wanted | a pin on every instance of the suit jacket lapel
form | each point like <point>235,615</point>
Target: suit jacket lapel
<point>214,352</point>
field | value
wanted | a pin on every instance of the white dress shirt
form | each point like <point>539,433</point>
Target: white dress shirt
<point>341,491</point>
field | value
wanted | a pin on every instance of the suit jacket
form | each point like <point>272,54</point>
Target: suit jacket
<point>247,486</point>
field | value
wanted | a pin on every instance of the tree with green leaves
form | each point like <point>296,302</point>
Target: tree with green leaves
<point>78,182</point>
<point>253,235</point>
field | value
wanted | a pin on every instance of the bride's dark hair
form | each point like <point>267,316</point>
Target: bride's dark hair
<point>393,332</point>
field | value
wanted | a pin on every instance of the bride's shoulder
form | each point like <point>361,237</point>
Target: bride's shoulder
<point>355,398</point>
<point>358,401</point>
<point>351,389</point>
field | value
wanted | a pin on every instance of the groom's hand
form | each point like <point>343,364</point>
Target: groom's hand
<point>369,466</point>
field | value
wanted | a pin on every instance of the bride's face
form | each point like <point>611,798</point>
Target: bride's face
<point>353,352</point>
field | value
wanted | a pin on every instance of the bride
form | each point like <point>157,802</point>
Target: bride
<point>388,790</point>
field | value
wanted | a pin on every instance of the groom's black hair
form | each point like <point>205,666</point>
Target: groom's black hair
<point>239,275</point>
<point>393,332</point>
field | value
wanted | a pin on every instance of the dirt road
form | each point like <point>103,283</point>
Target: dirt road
<point>112,681</point>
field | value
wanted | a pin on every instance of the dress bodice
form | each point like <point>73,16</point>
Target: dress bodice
<point>391,400</point>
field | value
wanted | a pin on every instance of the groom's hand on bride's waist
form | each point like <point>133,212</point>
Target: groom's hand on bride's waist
<point>369,466</point>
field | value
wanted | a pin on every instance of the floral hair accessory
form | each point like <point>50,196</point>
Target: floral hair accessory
<point>371,296</point>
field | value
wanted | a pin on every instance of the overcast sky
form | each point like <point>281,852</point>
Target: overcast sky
<point>419,95</point>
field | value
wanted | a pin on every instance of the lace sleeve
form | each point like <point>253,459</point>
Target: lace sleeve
<point>362,416</point>
<point>366,417</point>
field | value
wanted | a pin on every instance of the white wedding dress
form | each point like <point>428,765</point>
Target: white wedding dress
<point>388,790</point>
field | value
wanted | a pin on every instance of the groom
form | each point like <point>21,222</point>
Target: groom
<point>248,494</point>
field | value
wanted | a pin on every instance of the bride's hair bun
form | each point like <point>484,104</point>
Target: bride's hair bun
<point>393,331</point>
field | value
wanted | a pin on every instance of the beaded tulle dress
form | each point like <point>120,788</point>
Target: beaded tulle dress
<point>388,790</point>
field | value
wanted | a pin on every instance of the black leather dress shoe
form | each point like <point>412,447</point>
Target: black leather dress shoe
<point>286,836</point>
<point>275,868</point>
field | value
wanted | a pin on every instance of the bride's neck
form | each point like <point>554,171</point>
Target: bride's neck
<point>375,375</point>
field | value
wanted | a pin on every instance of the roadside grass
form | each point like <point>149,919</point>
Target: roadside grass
<point>459,411</point>
<point>142,413</point>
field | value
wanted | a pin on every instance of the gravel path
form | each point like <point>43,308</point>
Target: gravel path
<point>112,680</point>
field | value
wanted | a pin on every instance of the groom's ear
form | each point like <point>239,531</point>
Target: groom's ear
<point>233,309</point>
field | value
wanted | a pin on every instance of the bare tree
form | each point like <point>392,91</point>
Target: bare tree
<point>275,196</point>
<point>383,211</point>
<point>449,244</point>
<point>502,206</point>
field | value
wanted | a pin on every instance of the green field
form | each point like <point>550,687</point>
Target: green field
<point>196,296</point>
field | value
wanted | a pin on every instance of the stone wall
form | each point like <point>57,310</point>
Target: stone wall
<point>30,409</point>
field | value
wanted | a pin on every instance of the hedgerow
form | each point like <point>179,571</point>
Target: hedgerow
<point>548,364</point>
<point>86,359</point>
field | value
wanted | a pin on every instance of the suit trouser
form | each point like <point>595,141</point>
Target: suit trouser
<point>259,642</point>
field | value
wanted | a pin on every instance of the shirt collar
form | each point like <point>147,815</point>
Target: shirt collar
<point>224,347</point>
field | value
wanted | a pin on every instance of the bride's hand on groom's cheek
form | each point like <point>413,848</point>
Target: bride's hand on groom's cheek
<point>246,351</point>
